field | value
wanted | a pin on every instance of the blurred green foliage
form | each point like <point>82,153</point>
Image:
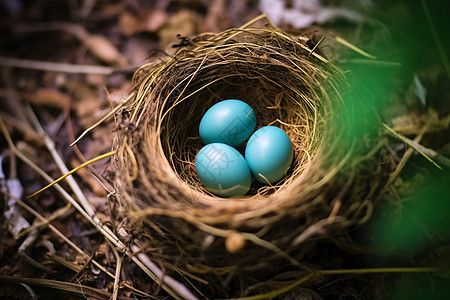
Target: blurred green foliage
<point>418,218</point>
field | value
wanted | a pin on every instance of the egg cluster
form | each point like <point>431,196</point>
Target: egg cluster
<point>221,168</point>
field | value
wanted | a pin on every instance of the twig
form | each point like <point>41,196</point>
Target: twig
<point>31,238</point>
<point>58,213</point>
<point>429,152</point>
<point>94,173</point>
<point>55,66</point>
<point>425,152</point>
<point>401,164</point>
<point>316,45</point>
<point>119,260</point>
<point>180,288</point>
<point>103,119</point>
<point>82,290</point>
<point>75,29</point>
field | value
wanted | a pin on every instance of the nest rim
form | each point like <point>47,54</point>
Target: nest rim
<point>282,188</point>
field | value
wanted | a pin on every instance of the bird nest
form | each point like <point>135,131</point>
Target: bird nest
<point>290,84</point>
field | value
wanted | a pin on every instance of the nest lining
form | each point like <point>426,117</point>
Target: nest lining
<point>186,228</point>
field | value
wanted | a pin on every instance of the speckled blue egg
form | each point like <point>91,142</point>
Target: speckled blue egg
<point>223,170</point>
<point>269,153</point>
<point>230,122</point>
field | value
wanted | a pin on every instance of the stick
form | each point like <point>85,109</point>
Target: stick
<point>82,290</point>
<point>180,288</point>
<point>103,119</point>
<point>401,164</point>
<point>55,67</point>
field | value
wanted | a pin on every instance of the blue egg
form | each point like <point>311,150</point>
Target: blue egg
<point>269,153</point>
<point>230,122</point>
<point>223,170</point>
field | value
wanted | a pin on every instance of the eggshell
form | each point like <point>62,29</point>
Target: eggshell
<point>269,153</point>
<point>230,122</point>
<point>223,170</point>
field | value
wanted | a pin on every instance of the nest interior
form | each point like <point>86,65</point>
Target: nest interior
<point>289,84</point>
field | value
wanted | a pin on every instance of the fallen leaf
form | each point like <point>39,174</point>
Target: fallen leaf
<point>49,97</point>
<point>129,23</point>
<point>419,90</point>
<point>104,50</point>
<point>152,19</point>
<point>87,106</point>
<point>137,50</point>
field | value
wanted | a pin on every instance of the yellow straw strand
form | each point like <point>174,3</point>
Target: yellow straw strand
<point>353,47</point>
<point>73,171</point>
